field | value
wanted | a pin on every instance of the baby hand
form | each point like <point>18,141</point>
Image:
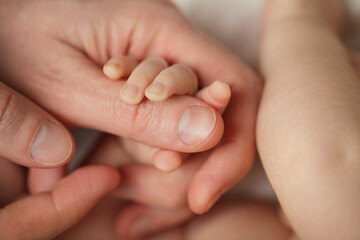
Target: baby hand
<point>157,80</point>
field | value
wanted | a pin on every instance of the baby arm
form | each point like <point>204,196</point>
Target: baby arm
<point>308,126</point>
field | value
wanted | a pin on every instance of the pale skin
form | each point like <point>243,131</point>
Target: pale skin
<point>308,130</point>
<point>311,87</point>
<point>75,53</point>
<point>217,95</point>
<point>281,173</point>
<point>156,80</point>
<point>73,39</point>
<point>176,79</point>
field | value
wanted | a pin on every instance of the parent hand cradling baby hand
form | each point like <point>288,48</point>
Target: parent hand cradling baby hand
<point>64,43</point>
<point>53,52</point>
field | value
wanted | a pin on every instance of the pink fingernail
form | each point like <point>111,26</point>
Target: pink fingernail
<point>156,88</point>
<point>196,124</point>
<point>130,91</point>
<point>52,144</point>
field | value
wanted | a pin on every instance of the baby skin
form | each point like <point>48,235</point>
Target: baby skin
<point>308,130</point>
<point>154,79</point>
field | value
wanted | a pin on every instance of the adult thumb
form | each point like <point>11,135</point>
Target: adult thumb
<point>46,215</point>
<point>29,135</point>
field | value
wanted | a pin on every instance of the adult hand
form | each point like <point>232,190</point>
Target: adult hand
<point>158,200</point>
<point>45,215</point>
<point>230,219</point>
<point>155,198</point>
<point>61,45</point>
<point>33,138</point>
<point>30,136</point>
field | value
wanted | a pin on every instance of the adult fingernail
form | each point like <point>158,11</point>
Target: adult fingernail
<point>142,226</point>
<point>196,124</point>
<point>52,144</point>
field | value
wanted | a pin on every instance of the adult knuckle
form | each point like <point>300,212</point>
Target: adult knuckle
<point>10,106</point>
<point>137,118</point>
<point>5,97</point>
<point>143,116</point>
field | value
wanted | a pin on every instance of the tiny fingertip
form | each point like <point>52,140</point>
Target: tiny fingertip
<point>220,90</point>
<point>156,92</point>
<point>166,161</point>
<point>112,71</point>
<point>166,166</point>
<point>129,94</point>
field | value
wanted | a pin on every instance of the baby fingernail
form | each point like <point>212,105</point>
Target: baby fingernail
<point>112,70</point>
<point>156,88</point>
<point>196,124</point>
<point>130,91</point>
<point>52,144</point>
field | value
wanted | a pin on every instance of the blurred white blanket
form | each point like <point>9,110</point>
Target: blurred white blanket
<point>236,23</point>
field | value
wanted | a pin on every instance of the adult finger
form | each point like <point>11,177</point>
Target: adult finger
<point>139,179</point>
<point>43,180</point>
<point>184,123</point>
<point>12,181</point>
<point>43,216</point>
<point>234,156</point>
<point>29,135</point>
<point>95,103</point>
